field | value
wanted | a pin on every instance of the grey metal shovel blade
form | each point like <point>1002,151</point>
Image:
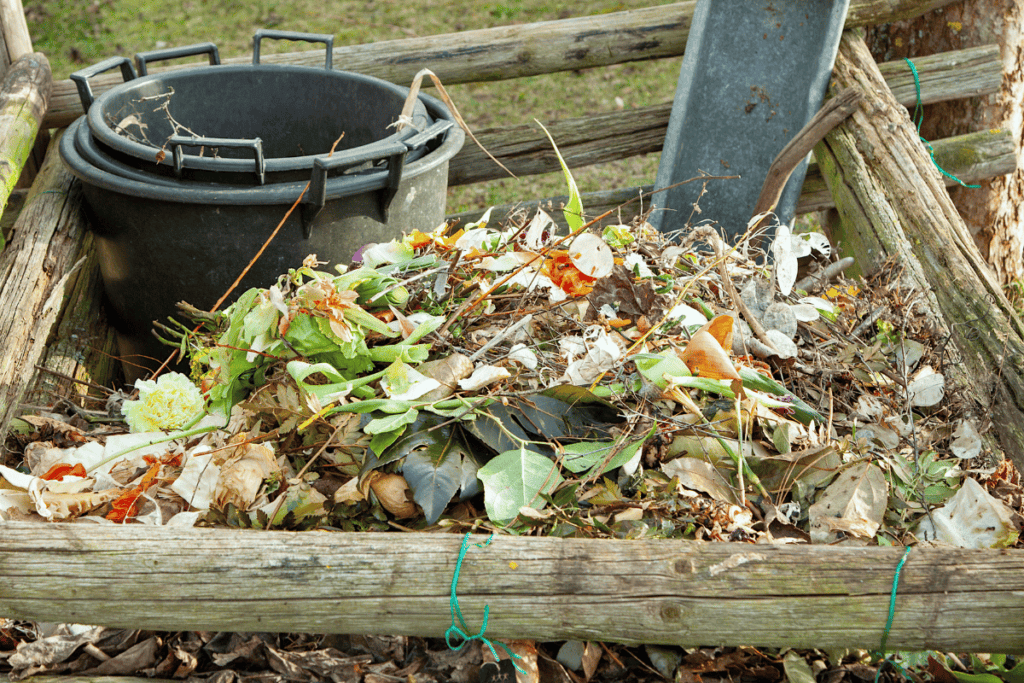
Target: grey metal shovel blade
<point>754,73</point>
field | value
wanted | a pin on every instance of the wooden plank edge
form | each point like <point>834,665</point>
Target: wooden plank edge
<point>36,266</point>
<point>629,591</point>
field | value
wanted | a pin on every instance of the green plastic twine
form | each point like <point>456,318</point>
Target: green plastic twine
<point>919,119</point>
<point>453,602</point>
<point>892,613</point>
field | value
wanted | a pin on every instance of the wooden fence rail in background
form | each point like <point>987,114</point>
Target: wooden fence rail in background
<point>599,138</point>
<point>971,158</point>
<point>505,52</point>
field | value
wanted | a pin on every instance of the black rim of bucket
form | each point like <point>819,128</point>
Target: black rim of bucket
<point>93,153</point>
<point>278,193</point>
<point>148,155</point>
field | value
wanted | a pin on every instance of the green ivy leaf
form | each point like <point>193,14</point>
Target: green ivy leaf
<point>391,422</point>
<point>381,442</point>
<point>514,479</point>
<point>589,455</point>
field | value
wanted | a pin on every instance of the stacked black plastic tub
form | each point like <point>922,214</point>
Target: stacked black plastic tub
<point>186,173</point>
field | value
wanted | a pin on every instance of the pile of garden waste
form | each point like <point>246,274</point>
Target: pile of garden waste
<point>600,383</point>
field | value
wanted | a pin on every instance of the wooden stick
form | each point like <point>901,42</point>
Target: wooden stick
<point>15,29</point>
<point>628,591</point>
<point>831,114</point>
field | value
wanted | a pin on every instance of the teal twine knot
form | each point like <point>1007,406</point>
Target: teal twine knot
<point>918,118</point>
<point>453,602</point>
<point>892,612</point>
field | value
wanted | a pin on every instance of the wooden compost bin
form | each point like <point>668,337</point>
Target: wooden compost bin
<point>651,591</point>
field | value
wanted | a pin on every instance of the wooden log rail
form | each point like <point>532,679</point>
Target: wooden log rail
<point>24,97</point>
<point>505,52</point>
<point>598,138</point>
<point>971,158</point>
<point>635,592</point>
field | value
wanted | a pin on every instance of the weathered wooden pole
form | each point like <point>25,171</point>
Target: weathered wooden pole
<point>15,30</point>
<point>994,213</point>
<point>893,203</point>
<point>38,269</point>
<point>24,97</point>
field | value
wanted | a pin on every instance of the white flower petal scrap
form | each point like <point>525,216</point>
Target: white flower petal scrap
<point>520,353</point>
<point>785,260</point>
<point>602,354</point>
<point>572,347</point>
<point>540,224</point>
<point>477,238</point>
<point>171,402</point>
<point>403,383</point>
<point>635,262</point>
<point>591,255</point>
<point>687,316</point>
<point>198,480</point>
<point>482,376</point>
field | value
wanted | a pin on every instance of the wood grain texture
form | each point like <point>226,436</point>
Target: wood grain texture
<point>35,268</point>
<point>24,97</point>
<point>971,158</point>
<point>623,591</point>
<point>83,345</point>
<point>505,52</point>
<point>17,40</point>
<point>599,138</point>
<point>893,204</point>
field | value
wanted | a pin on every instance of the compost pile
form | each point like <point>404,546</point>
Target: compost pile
<point>595,384</point>
<point>503,377</point>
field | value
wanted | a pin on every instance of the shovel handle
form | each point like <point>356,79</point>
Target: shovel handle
<point>210,49</point>
<point>82,76</point>
<point>324,38</point>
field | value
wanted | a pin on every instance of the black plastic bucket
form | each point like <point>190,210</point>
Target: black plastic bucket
<point>241,124</point>
<point>161,244</point>
<point>93,153</point>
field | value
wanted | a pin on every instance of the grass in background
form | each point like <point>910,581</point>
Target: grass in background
<point>77,33</point>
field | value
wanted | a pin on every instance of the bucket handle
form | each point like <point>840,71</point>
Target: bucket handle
<point>394,153</point>
<point>324,38</point>
<point>82,76</point>
<point>178,141</point>
<point>174,53</point>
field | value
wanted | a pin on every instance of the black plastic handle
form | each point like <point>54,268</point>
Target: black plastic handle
<point>256,145</point>
<point>324,38</point>
<point>394,153</point>
<point>82,76</point>
<point>142,58</point>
